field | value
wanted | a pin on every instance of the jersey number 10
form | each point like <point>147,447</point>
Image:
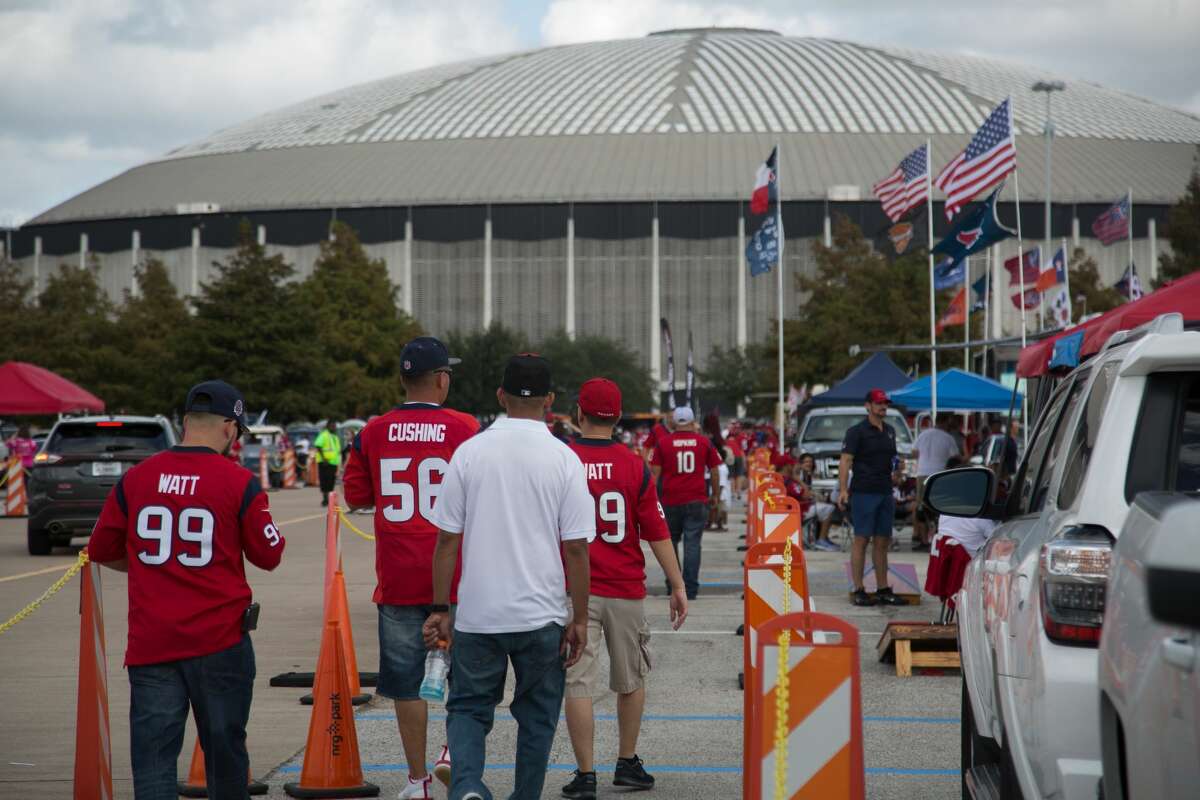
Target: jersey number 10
<point>685,461</point>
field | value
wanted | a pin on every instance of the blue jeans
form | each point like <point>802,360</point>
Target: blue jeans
<point>479,663</point>
<point>402,651</point>
<point>219,687</point>
<point>687,522</point>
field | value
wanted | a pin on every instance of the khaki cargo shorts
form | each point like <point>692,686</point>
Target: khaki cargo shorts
<point>627,636</point>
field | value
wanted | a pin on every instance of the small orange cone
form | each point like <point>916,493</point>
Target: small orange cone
<point>337,609</point>
<point>93,753</point>
<point>311,477</point>
<point>332,767</point>
<point>197,784</point>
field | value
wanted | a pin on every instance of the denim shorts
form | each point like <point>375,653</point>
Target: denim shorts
<point>401,651</point>
<point>872,514</point>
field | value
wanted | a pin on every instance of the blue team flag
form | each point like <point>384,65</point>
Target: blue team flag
<point>1066,351</point>
<point>949,273</point>
<point>981,288</point>
<point>765,247</point>
<point>975,231</point>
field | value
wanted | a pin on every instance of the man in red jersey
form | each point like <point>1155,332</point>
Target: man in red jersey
<point>681,458</point>
<point>627,513</point>
<point>179,523</point>
<point>396,465</point>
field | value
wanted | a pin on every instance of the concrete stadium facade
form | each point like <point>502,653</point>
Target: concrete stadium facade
<point>595,188</point>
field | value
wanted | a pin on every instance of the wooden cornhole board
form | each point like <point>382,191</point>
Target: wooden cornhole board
<point>903,581</point>
<point>919,644</point>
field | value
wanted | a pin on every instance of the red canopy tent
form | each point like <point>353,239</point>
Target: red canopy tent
<point>1182,296</point>
<point>29,389</point>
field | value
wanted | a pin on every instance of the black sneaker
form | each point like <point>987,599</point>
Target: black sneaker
<point>861,598</point>
<point>630,773</point>
<point>581,787</point>
<point>889,598</point>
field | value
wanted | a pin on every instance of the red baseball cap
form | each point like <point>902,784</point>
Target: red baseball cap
<point>878,396</point>
<point>600,397</point>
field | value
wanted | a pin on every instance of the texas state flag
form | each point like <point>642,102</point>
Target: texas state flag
<point>765,189</point>
<point>1054,274</point>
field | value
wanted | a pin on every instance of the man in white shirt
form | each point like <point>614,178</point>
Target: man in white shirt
<point>517,501</point>
<point>933,448</point>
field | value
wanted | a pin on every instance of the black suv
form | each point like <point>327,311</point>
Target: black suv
<point>79,464</point>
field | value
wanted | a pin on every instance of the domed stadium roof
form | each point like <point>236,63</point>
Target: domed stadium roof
<point>680,115</point>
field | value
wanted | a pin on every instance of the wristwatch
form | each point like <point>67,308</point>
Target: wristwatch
<point>439,608</point>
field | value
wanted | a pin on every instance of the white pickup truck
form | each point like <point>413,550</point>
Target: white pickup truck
<point>1034,596</point>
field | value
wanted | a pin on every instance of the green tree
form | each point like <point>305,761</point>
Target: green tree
<point>1088,294</point>
<point>484,354</point>
<point>248,331</point>
<point>350,308</point>
<point>1183,229</point>
<point>149,326</point>
<point>733,375</point>
<point>574,361</point>
<point>16,314</point>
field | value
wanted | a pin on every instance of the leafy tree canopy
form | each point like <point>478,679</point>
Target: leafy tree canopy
<point>1183,228</point>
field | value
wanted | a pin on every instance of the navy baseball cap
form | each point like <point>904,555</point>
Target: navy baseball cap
<point>425,354</point>
<point>217,397</point>
<point>527,375</point>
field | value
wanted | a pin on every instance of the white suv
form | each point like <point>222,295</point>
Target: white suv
<point>1033,601</point>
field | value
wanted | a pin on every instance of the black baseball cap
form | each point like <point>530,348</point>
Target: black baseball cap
<point>527,375</point>
<point>425,354</point>
<point>217,397</point>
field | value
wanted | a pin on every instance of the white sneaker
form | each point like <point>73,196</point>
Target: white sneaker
<point>417,789</point>
<point>441,769</point>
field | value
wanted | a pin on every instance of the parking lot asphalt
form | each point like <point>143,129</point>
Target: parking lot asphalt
<point>691,738</point>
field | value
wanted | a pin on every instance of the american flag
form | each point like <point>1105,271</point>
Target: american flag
<point>991,154</point>
<point>907,186</point>
<point>1113,224</point>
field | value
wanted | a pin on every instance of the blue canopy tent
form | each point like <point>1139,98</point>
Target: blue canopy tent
<point>957,391</point>
<point>877,372</point>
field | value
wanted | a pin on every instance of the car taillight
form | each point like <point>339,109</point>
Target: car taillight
<point>46,458</point>
<point>1074,573</point>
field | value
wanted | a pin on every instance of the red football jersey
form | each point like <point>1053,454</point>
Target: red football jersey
<point>683,455</point>
<point>396,464</point>
<point>627,512</point>
<point>183,518</point>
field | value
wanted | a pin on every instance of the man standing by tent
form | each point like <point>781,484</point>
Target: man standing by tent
<point>869,451</point>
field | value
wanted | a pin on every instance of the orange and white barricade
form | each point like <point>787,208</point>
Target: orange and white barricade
<point>14,495</point>
<point>806,739</point>
<point>781,517</point>
<point>776,583</point>
<point>770,495</point>
<point>264,474</point>
<point>289,469</point>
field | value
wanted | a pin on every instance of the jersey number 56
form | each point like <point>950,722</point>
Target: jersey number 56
<point>411,498</point>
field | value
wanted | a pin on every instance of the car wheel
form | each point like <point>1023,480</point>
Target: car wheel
<point>38,541</point>
<point>976,750</point>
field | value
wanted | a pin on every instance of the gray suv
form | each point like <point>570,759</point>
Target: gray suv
<point>80,463</point>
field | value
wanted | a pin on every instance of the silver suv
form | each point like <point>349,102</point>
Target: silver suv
<point>1033,600</point>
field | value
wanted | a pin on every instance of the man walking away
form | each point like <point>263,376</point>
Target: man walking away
<point>396,464</point>
<point>869,451</point>
<point>516,500</point>
<point>933,448</point>
<point>328,452</point>
<point>681,458</point>
<point>179,523</point>
<point>627,513</point>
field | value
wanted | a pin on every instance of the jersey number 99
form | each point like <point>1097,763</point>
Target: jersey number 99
<point>610,507</point>
<point>413,498</point>
<point>157,524</point>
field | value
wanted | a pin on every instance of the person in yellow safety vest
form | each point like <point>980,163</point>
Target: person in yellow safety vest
<point>327,449</point>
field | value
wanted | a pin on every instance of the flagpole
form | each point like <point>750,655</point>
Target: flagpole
<point>1129,291</point>
<point>1021,272</point>
<point>1041,296</point>
<point>1067,283</point>
<point>987,304</point>
<point>933,398</point>
<point>779,284</point>
<point>967,315</point>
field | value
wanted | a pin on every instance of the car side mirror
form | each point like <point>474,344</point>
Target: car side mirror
<point>1173,567</point>
<point>964,492</point>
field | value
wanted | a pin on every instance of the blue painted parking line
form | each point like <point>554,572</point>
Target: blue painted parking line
<point>701,718</point>
<point>665,768</point>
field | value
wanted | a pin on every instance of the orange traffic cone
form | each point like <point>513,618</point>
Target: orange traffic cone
<point>311,477</point>
<point>332,767</point>
<point>197,783</point>
<point>93,754</point>
<point>289,469</point>
<point>14,500</point>
<point>337,609</point>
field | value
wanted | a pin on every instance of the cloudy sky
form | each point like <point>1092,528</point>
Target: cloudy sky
<point>93,87</point>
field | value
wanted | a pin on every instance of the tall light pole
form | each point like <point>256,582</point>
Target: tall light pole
<point>1049,87</point>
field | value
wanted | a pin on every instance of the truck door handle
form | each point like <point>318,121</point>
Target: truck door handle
<point>1179,653</point>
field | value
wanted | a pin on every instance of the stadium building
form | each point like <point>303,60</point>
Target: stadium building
<point>597,187</point>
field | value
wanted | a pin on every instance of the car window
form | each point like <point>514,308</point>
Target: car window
<point>1032,466</point>
<point>107,436</point>
<point>1187,462</point>
<point>1083,438</point>
<point>1166,444</point>
<point>1057,444</point>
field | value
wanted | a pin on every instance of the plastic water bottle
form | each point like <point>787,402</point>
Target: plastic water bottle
<point>437,665</point>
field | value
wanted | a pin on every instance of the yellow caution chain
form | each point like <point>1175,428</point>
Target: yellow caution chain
<point>71,572</point>
<point>342,513</point>
<point>781,682</point>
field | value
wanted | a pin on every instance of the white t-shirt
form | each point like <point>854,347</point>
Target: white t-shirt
<point>934,448</point>
<point>515,493</point>
<point>971,532</point>
<point>723,480</point>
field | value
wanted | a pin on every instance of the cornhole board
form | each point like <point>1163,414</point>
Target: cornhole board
<point>919,644</point>
<point>903,581</point>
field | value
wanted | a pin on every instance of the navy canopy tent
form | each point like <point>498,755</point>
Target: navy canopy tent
<point>877,372</point>
<point>957,391</point>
